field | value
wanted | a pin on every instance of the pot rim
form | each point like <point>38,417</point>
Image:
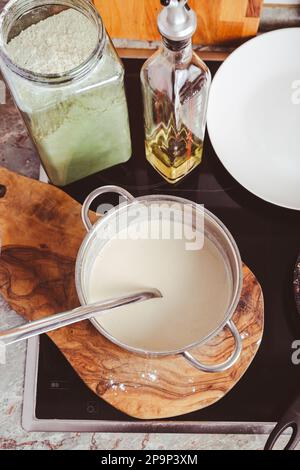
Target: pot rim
<point>235,296</point>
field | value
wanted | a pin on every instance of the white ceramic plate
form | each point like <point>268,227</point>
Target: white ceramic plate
<point>254,116</point>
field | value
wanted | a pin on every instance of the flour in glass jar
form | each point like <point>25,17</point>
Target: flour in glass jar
<point>55,45</point>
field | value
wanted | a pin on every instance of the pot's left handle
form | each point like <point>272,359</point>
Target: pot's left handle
<point>224,365</point>
<point>94,194</point>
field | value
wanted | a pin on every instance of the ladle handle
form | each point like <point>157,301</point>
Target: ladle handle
<point>53,322</point>
<point>98,192</point>
<point>225,365</point>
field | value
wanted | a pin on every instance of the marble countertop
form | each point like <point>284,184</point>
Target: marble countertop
<point>18,154</point>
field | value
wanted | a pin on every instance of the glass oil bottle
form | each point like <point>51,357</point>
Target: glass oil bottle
<point>175,85</point>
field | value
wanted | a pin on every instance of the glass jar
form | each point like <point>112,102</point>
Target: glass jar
<point>175,84</point>
<point>77,120</point>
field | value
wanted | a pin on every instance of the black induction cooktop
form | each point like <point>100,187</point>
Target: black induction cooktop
<point>269,240</point>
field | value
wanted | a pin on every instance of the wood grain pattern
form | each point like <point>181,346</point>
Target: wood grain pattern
<point>41,232</point>
<point>219,21</point>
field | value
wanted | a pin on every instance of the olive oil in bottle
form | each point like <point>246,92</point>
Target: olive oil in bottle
<point>174,154</point>
<point>175,84</point>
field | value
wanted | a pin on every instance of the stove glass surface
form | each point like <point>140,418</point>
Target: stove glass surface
<point>269,240</point>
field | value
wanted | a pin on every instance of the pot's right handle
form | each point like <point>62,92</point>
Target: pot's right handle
<point>225,365</point>
<point>94,194</point>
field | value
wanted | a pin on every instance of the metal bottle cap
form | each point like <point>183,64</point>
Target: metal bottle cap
<point>177,21</point>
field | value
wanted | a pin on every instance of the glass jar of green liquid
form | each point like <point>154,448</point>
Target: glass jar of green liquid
<point>78,119</point>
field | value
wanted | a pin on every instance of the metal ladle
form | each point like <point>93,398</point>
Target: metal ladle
<point>53,322</point>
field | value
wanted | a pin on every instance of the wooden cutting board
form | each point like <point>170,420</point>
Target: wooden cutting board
<point>41,232</point>
<point>219,21</point>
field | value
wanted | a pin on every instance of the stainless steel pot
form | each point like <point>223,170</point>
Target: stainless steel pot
<point>213,229</point>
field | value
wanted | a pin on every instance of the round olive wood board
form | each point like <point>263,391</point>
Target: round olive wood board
<point>41,231</point>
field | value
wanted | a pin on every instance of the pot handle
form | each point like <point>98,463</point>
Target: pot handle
<point>225,365</point>
<point>94,194</point>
